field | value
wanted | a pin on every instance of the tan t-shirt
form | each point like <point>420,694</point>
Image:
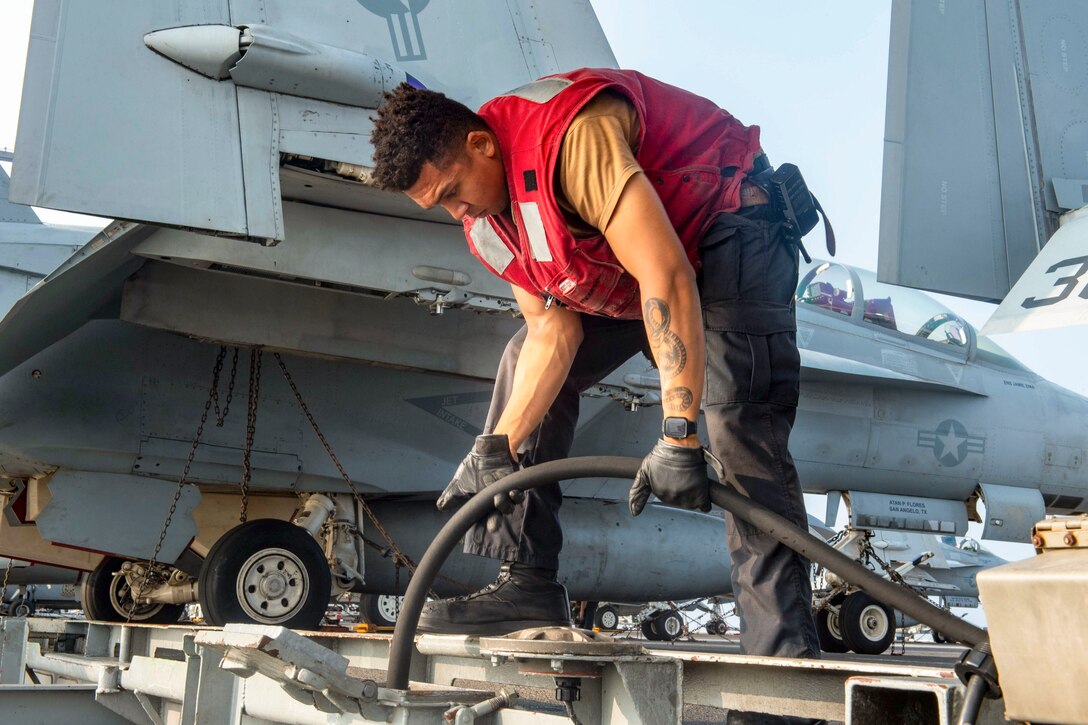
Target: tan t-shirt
<point>596,160</point>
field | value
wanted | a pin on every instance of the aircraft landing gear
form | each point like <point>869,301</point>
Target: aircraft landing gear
<point>868,626</point>
<point>828,628</point>
<point>381,610</point>
<point>606,618</point>
<point>18,607</point>
<point>107,596</point>
<point>664,625</point>
<point>266,572</point>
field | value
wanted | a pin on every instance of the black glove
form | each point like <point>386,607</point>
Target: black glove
<point>487,462</point>
<point>676,474</point>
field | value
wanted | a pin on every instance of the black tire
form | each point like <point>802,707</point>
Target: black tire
<point>21,608</point>
<point>104,594</point>
<point>868,626</point>
<point>242,576</point>
<point>381,610</point>
<point>668,625</point>
<point>606,618</point>
<point>829,632</point>
<point>938,637</point>
<point>648,630</point>
<point>716,627</point>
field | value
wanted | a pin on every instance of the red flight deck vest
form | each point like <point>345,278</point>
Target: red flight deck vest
<point>695,154</point>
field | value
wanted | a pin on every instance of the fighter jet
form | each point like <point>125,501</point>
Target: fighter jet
<point>172,379</point>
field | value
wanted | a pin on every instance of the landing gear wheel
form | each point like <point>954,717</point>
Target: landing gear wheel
<point>648,630</point>
<point>829,632</point>
<point>606,618</point>
<point>107,597</point>
<point>716,626</point>
<point>265,572</point>
<point>21,609</point>
<point>868,626</point>
<point>381,610</point>
<point>667,624</point>
<point>938,637</point>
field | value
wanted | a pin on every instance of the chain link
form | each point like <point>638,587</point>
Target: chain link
<point>255,357</point>
<point>221,415</point>
<point>7,575</point>
<point>3,631</point>
<point>399,557</point>
<point>212,397</point>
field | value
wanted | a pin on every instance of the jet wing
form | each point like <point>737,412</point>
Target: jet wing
<point>826,368</point>
<point>87,283</point>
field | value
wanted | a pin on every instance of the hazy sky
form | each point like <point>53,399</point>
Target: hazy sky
<point>812,75</point>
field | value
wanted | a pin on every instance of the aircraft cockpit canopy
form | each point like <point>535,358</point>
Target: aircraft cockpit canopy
<point>856,293</point>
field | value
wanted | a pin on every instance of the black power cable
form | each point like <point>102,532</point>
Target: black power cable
<point>804,543</point>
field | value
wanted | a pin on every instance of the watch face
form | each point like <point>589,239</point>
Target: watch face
<point>678,427</point>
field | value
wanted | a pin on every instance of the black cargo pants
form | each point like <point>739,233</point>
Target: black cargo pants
<point>747,282</point>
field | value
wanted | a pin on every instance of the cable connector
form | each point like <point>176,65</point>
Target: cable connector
<point>979,662</point>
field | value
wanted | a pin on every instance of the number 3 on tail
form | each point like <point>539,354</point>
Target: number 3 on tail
<point>1068,283</point>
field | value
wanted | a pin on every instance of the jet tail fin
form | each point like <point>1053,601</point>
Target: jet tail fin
<point>1053,291</point>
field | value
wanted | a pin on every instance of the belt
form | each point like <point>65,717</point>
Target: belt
<point>752,195</point>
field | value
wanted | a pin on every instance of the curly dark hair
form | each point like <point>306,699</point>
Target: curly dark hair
<point>414,126</point>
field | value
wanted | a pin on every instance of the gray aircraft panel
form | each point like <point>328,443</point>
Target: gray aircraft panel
<point>824,367</point>
<point>236,310</point>
<point>72,294</point>
<point>471,50</point>
<point>1056,58</point>
<point>260,164</point>
<point>85,147</point>
<point>1011,512</point>
<point>340,248</point>
<point>14,213</point>
<point>77,495</point>
<point>985,115</point>
<point>941,196</point>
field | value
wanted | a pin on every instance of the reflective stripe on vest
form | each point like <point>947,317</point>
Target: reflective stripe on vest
<point>534,229</point>
<point>490,245</point>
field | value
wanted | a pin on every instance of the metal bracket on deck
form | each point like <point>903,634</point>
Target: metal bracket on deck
<point>315,675</point>
<point>622,676</point>
<point>297,664</point>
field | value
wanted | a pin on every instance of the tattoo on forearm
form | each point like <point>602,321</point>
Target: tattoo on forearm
<point>678,399</point>
<point>669,351</point>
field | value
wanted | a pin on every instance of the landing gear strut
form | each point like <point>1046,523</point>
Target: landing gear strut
<point>107,596</point>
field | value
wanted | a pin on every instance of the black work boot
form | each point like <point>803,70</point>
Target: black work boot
<point>522,597</point>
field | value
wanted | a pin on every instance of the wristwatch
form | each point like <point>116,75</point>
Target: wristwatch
<point>676,427</point>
